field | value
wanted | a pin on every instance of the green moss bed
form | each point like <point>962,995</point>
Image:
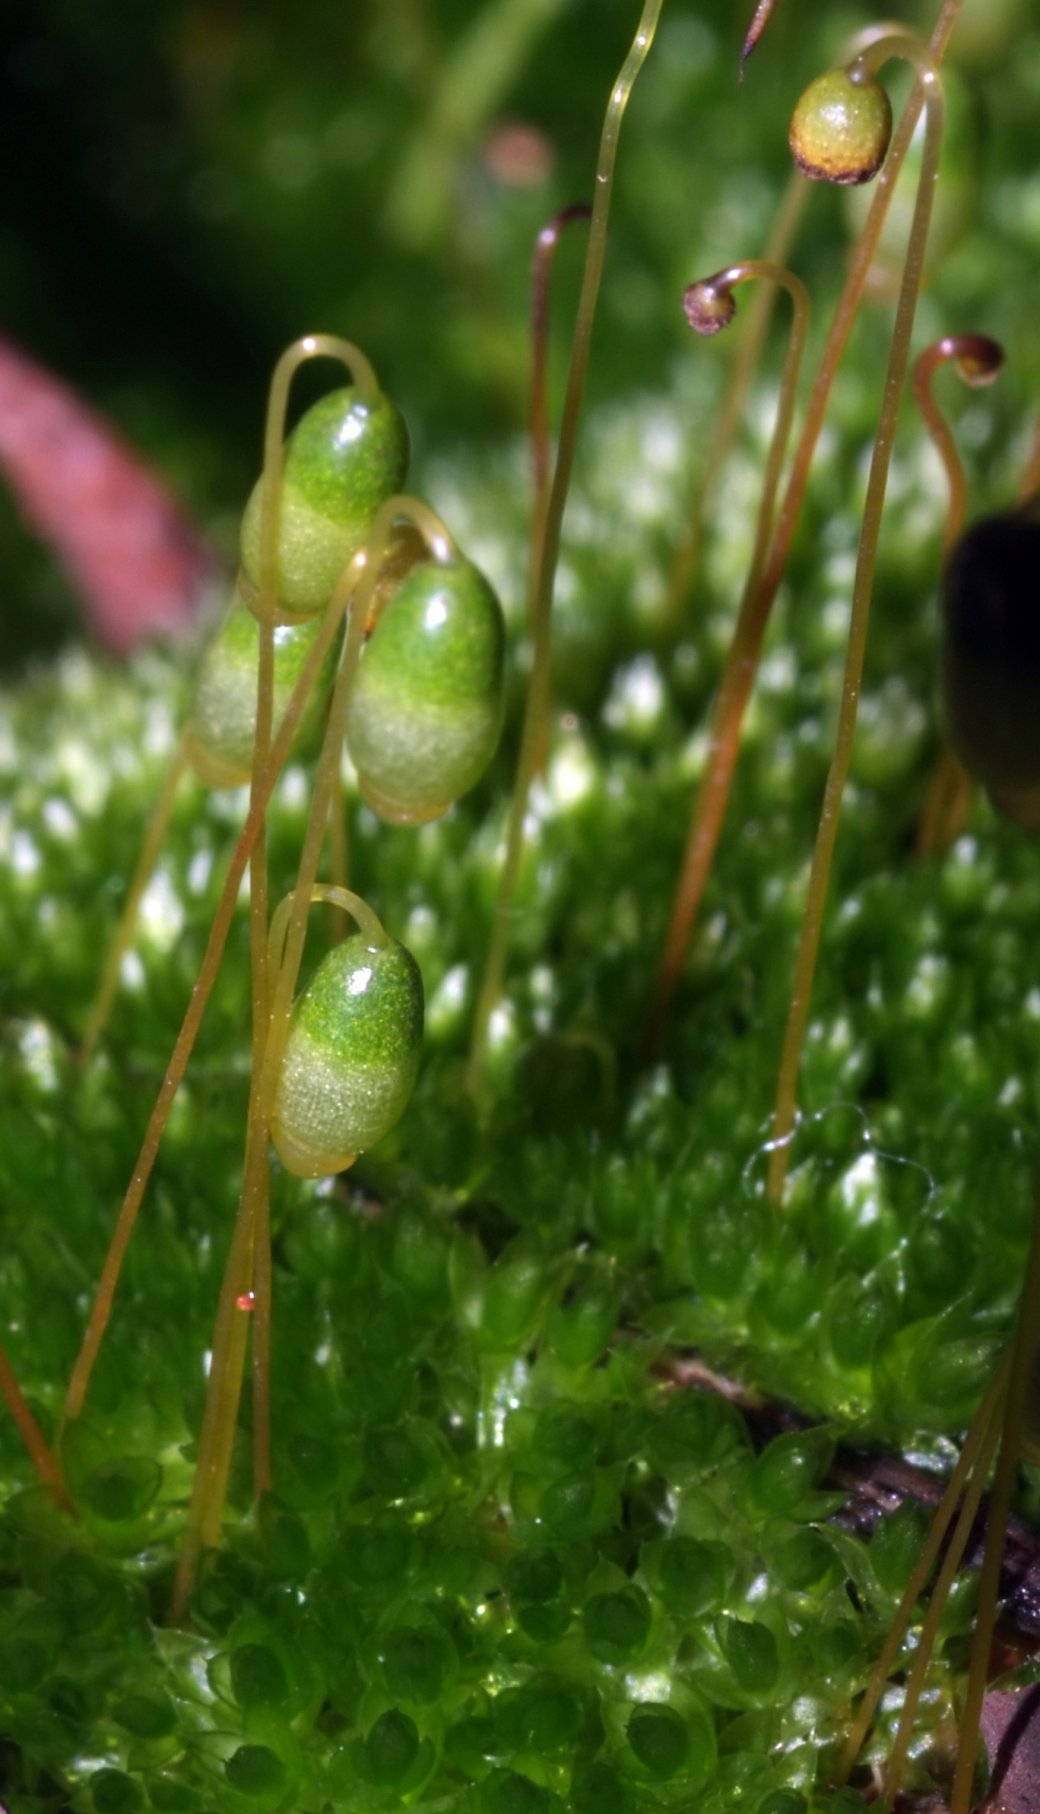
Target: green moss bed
<point>508,1564</point>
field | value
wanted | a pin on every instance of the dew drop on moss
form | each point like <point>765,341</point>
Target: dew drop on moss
<point>255,1770</point>
<point>564,1438</point>
<point>895,1547</point>
<point>785,1473</point>
<point>838,1649</point>
<point>23,1664</point>
<point>258,1677</point>
<point>314,1469</point>
<point>514,1288</point>
<point>617,1625</point>
<point>506,1792</point>
<point>392,1747</point>
<point>169,1796</point>
<point>85,1593</point>
<point>145,1715</point>
<point>694,1433</point>
<point>658,1737</point>
<point>750,1649</point>
<point>122,1488</point>
<point>114,1792</point>
<point>803,1561</point>
<point>287,1546</point>
<point>543,1624</point>
<point>415,1663</point>
<point>537,1577</point>
<point>470,1742</point>
<point>694,1574</point>
<point>377,1555</point>
<point>600,1790</point>
<point>566,1505</point>
<point>70,1700</point>
<point>541,1716</point>
<point>581,1323</point>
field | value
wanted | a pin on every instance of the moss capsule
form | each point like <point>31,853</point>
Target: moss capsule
<point>426,710</point>
<point>343,458</point>
<point>351,1056</point>
<point>990,663</point>
<point>221,722</point>
<point>841,127</point>
<point>709,307</point>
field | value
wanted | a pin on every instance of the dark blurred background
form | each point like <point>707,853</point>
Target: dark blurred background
<point>191,184</point>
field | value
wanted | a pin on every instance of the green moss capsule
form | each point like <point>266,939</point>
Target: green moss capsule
<point>351,1056</point>
<point>426,709</point>
<point>990,673</point>
<point>392,1747</point>
<point>659,1739</point>
<point>841,127</point>
<point>617,1625</point>
<point>221,723</point>
<point>341,461</point>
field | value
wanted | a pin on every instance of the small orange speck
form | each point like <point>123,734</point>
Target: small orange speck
<point>518,155</point>
<point>245,1301</point>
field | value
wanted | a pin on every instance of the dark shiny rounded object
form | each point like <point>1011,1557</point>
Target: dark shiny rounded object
<point>990,672</point>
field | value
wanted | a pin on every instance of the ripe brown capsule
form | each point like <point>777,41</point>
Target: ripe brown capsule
<point>709,306</point>
<point>841,127</point>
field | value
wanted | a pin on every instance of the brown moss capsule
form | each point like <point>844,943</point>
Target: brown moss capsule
<point>990,672</point>
<point>709,306</point>
<point>841,127</point>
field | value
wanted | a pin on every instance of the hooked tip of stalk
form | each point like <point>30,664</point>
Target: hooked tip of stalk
<point>709,305</point>
<point>979,361</point>
<point>976,358</point>
<point>754,32</point>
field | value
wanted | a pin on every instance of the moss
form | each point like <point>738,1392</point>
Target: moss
<point>419,1353</point>
<point>341,461</point>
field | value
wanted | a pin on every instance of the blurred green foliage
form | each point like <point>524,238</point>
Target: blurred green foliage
<point>199,181</point>
<point>506,1568</point>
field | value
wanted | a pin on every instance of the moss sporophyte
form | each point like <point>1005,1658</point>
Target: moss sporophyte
<point>495,1528</point>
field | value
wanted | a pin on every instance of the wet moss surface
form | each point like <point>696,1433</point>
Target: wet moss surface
<point>506,1562</point>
